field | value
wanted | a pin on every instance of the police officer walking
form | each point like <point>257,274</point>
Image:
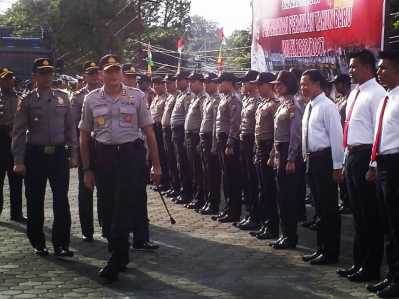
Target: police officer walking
<point>85,195</point>
<point>42,130</point>
<point>8,106</point>
<point>115,113</point>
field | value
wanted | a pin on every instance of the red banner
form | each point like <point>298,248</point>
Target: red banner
<point>312,31</point>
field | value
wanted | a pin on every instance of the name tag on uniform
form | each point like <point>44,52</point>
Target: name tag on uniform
<point>128,118</point>
<point>100,120</point>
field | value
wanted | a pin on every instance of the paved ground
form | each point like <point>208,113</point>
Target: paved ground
<point>198,258</point>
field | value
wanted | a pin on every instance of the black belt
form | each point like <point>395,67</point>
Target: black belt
<point>359,148</point>
<point>321,153</point>
<point>46,149</point>
<point>119,147</point>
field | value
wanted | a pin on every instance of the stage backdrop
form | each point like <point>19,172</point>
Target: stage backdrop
<point>313,33</point>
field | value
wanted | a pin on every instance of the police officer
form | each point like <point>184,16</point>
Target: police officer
<point>173,93</point>
<point>177,123</point>
<point>115,113</point>
<point>144,83</point>
<point>287,158</point>
<point>228,121</point>
<point>247,142</point>
<point>129,75</point>
<point>43,128</point>
<point>157,109</point>
<point>209,158</point>
<point>85,195</point>
<point>8,106</point>
<point>192,127</point>
<point>266,208</point>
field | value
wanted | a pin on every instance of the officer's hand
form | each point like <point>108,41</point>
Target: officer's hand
<point>371,175</point>
<point>229,151</point>
<point>290,167</point>
<point>20,169</point>
<point>73,163</point>
<point>337,176</point>
<point>270,162</point>
<point>89,179</point>
<point>156,175</point>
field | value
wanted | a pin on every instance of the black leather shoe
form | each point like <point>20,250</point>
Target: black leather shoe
<point>363,276</point>
<point>391,291</point>
<point>145,246</point>
<point>323,259</point>
<point>249,225</point>
<point>285,244</point>
<point>241,222</point>
<point>41,251</point>
<point>20,219</point>
<point>87,239</point>
<point>228,218</point>
<point>109,273</point>
<point>272,243</point>
<point>309,257</point>
<point>210,210</point>
<point>181,201</point>
<point>347,272</point>
<point>267,235</point>
<point>259,232</point>
<point>63,252</point>
<point>221,214</point>
<point>374,288</point>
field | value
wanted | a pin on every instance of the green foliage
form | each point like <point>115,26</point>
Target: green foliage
<point>239,58</point>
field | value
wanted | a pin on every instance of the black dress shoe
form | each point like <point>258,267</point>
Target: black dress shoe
<point>363,276</point>
<point>347,272</point>
<point>259,232</point>
<point>241,222</point>
<point>41,251</point>
<point>145,246</point>
<point>272,243</point>
<point>267,235</point>
<point>63,252</point>
<point>19,219</point>
<point>323,259</point>
<point>228,218</point>
<point>391,291</point>
<point>249,225</point>
<point>87,239</point>
<point>181,201</point>
<point>220,215</point>
<point>109,273</point>
<point>285,244</point>
<point>309,257</point>
<point>374,288</point>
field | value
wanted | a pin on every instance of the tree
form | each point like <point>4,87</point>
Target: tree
<point>240,57</point>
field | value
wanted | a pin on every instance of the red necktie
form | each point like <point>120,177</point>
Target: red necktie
<point>377,139</point>
<point>347,120</point>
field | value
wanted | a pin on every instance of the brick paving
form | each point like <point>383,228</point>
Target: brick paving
<point>198,258</point>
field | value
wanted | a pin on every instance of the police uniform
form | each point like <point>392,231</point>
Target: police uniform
<point>266,209</point>
<point>157,108</point>
<point>177,123</point>
<point>42,130</point>
<point>167,140</point>
<point>209,158</point>
<point>192,127</point>
<point>247,142</point>
<point>228,120</point>
<point>8,106</point>
<point>85,195</point>
<point>120,167</point>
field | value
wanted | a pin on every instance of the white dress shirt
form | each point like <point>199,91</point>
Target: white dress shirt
<point>324,128</point>
<point>389,142</point>
<point>362,122</point>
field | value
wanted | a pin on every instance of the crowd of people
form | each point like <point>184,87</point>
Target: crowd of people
<point>244,150</point>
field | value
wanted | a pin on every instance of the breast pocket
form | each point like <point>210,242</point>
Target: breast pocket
<point>100,117</point>
<point>36,115</point>
<point>127,117</point>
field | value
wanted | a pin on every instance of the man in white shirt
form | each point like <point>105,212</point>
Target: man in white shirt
<point>358,138</point>
<point>324,154</point>
<point>385,164</point>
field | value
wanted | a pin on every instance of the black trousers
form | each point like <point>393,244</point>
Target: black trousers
<point>121,180</point>
<point>325,193</point>
<point>266,209</point>
<point>231,175</point>
<point>165,180</point>
<point>183,167</point>
<point>194,161</point>
<point>41,167</point>
<point>15,181</point>
<point>171,159</point>
<point>212,171</point>
<point>388,190</point>
<point>369,238</point>
<point>249,177</point>
<point>287,187</point>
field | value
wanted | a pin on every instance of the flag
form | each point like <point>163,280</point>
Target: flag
<point>150,62</point>
<point>221,34</point>
<point>180,45</point>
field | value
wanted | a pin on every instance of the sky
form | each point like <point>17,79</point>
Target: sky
<point>229,14</point>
